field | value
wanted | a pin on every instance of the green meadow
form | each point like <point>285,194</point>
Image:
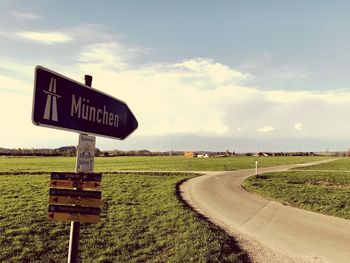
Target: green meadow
<point>155,163</point>
<point>322,188</point>
<point>143,218</point>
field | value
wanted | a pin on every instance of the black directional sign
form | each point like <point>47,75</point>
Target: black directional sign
<point>62,103</point>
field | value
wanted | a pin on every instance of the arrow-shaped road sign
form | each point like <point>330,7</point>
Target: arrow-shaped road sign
<point>73,200</point>
<point>76,176</point>
<point>75,197</point>
<point>76,180</point>
<point>75,184</point>
<point>62,103</point>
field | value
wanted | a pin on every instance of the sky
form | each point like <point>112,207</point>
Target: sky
<point>198,75</point>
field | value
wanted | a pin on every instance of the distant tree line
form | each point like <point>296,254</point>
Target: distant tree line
<point>62,151</point>
<point>71,151</point>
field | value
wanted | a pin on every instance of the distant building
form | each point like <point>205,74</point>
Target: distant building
<point>261,154</point>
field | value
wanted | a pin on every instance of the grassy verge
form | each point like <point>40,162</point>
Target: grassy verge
<point>142,221</point>
<point>319,191</point>
<point>342,164</point>
<point>156,163</point>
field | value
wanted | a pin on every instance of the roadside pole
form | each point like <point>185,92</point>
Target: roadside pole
<point>63,103</point>
<point>75,226</point>
<point>256,169</point>
<point>189,155</point>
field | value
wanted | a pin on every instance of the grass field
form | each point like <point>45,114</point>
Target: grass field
<point>156,163</point>
<point>342,164</point>
<point>323,188</point>
<point>142,220</point>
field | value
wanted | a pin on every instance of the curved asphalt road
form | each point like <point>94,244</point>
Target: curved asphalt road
<point>291,232</point>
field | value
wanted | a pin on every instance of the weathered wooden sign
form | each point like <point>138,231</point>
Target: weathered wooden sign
<point>74,213</point>
<point>70,199</point>
<point>75,197</point>
<point>76,180</point>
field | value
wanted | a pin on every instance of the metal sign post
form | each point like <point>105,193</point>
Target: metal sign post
<point>75,226</point>
<point>83,150</point>
<point>62,103</point>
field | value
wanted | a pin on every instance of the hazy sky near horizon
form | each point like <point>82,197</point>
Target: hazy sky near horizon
<point>198,75</point>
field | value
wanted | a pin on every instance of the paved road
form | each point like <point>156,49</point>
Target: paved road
<point>294,234</point>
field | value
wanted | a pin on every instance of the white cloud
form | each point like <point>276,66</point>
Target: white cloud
<point>24,15</point>
<point>188,97</point>
<point>103,56</point>
<point>47,38</point>
<point>19,68</point>
<point>164,103</point>
<point>197,96</point>
<point>8,84</point>
<point>298,126</point>
<point>208,74</point>
<point>18,130</point>
<point>266,129</point>
<point>283,96</point>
